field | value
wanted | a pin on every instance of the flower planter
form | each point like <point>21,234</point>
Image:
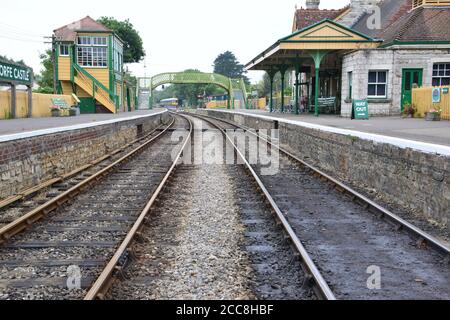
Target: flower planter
<point>56,113</point>
<point>433,117</point>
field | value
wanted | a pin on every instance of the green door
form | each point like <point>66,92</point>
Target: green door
<point>410,78</point>
<point>128,100</point>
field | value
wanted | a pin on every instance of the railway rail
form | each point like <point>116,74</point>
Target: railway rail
<point>347,235</point>
<point>157,271</point>
<point>302,225</point>
<point>83,225</point>
<point>32,204</point>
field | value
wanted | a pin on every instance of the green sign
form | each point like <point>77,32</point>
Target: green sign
<point>445,90</point>
<point>361,109</point>
<point>15,73</point>
<point>60,102</point>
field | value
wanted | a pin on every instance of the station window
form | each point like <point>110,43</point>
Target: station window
<point>92,51</point>
<point>92,57</point>
<point>377,84</point>
<point>92,41</point>
<point>441,74</point>
<point>64,50</point>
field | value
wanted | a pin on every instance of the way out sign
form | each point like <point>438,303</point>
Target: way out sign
<point>360,110</point>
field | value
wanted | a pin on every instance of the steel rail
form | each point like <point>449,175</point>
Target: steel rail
<point>38,213</point>
<point>316,279</point>
<point>424,237</point>
<point>27,192</point>
<point>105,280</point>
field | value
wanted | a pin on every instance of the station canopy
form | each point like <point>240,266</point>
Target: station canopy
<point>314,41</point>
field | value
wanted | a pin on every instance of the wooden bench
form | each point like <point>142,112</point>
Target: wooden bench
<point>326,105</point>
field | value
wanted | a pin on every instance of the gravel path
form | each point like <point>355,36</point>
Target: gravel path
<point>192,246</point>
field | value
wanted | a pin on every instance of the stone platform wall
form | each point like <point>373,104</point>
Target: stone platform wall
<point>27,162</point>
<point>416,181</point>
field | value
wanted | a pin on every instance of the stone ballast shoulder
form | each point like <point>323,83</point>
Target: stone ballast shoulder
<point>37,133</point>
<point>399,142</point>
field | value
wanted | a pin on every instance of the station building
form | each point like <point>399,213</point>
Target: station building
<point>89,64</point>
<point>377,50</point>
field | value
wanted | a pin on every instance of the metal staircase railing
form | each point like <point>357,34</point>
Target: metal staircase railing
<point>94,87</point>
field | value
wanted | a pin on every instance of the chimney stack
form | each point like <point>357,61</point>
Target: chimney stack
<point>312,4</point>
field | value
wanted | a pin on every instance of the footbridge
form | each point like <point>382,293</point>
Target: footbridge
<point>235,87</point>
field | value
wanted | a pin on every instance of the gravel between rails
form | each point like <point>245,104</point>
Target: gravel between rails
<point>33,265</point>
<point>211,237</point>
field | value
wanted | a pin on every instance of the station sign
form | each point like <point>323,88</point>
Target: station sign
<point>12,73</point>
<point>361,109</point>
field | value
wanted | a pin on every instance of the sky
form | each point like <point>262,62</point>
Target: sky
<point>177,34</point>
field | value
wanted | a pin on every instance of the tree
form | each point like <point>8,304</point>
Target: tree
<point>228,65</point>
<point>134,46</point>
<point>7,60</point>
<point>45,78</point>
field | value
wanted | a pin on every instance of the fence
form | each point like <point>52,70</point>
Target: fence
<point>41,104</point>
<point>258,103</point>
<point>422,100</point>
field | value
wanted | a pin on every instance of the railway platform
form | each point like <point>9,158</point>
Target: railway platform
<point>396,127</point>
<point>27,125</point>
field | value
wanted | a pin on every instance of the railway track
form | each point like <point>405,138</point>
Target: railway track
<point>82,227</point>
<point>216,240</point>
<point>347,236</point>
<point>42,196</point>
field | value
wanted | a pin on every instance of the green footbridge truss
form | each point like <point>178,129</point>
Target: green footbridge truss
<point>234,87</point>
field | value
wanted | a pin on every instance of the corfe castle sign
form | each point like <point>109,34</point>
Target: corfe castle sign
<point>15,74</point>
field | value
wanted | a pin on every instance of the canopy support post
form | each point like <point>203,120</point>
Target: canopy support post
<point>317,56</point>
<point>283,70</point>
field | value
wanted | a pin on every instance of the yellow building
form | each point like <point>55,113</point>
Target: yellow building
<point>89,63</point>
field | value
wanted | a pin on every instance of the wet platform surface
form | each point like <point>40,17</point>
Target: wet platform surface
<point>15,126</point>
<point>397,127</point>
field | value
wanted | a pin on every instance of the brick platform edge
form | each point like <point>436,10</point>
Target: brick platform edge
<point>27,162</point>
<point>416,181</point>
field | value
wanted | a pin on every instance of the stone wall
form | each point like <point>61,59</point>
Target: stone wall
<point>409,179</point>
<point>27,162</point>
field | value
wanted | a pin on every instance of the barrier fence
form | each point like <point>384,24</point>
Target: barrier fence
<point>41,104</point>
<point>422,100</point>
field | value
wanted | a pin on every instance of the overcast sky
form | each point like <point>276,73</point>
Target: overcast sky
<point>177,34</point>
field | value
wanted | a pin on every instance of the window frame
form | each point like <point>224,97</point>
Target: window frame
<point>378,83</point>
<point>446,73</point>
<point>61,54</point>
<point>91,50</point>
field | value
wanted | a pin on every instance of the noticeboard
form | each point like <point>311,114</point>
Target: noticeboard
<point>15,74</point>
<point>60,102</point>
<point>361,109</point>
<point>436,95</point>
